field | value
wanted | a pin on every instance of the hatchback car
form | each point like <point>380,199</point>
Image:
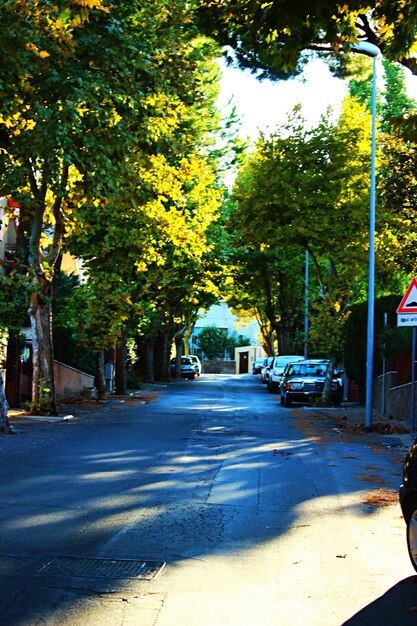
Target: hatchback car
<point>304,381</point>
<point>187,367</point>
<point>196,362</point>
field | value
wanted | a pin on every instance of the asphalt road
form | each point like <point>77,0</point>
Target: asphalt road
<point>243,518</point>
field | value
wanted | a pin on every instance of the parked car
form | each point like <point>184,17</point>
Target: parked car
<point>265,370</point>
<point>408,501</point>
<point>257,366</point>
<point>188,368</point>
<point>277,370</point>
<point>304,381</point>
<point>196,362</point>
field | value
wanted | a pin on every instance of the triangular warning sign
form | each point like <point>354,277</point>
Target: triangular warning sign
<point>409,302</point>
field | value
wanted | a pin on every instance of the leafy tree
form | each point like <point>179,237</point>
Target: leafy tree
<point>212,341</point>
<point>391,340</point>
<point>267,283</point>
<point>155,238</point>
<point>216,342</point>
<point>89,85</point>
<point>301,188</point>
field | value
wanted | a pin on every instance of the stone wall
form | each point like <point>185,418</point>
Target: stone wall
<point>397,397</point>
<point>218,366</point>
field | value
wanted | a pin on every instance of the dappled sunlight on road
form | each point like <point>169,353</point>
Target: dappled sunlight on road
<point>207,484</point>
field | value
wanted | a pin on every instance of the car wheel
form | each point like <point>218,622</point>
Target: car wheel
<point>272,387</point>
<point>282,400</point>
<point>287,401</point>
<point>412,536</point>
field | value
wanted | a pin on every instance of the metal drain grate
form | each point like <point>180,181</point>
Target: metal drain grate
<point>102,568</point>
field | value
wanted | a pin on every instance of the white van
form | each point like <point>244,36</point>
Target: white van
<point>277,369</point>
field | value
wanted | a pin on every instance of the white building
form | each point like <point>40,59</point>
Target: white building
<point>219,315</point>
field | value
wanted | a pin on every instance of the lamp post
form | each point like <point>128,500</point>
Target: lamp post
<point>306,307</point>
<point>370,50</point>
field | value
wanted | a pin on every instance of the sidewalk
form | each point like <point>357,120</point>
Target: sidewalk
<point>80,406</point>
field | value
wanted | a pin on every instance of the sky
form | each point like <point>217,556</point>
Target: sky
<point>263,105</point>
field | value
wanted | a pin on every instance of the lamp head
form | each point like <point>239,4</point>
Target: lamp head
<point>364,47</point>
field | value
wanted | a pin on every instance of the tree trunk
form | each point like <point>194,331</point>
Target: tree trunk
<point>149,359</point>
<point>162,352</point>
<point>43,388</point>
<point>327,389</point>
<point>121,358</point>
<point>4,420</point>
<point>100,379</point>
<point>178,354</point>
<point>13,370</point>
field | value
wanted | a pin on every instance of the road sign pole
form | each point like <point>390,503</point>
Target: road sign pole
<point>413,383</point>
<point>384,371</point>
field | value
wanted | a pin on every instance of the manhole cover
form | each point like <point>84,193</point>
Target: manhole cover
<point>102,568</point>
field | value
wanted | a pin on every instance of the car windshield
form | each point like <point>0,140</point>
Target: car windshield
<point>282,361</point>
<point>307,369</point>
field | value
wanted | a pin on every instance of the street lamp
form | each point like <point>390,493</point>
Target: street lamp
<point>369,49</point>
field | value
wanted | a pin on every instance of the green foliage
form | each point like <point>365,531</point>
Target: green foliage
<point>273,38</point>
<point>212,341</point>
<point>267,284</point>
<point>234,340</point>
<point>308,189</point>
<point>67,348</point>
<point>389,341</point>
<point>14,301</point>
<point>108,134</point>
<point>40,405</point>
<point>398,202</point>
<point>216,343</point>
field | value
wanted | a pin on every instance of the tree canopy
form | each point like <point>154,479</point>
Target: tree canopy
<point>274,38</point>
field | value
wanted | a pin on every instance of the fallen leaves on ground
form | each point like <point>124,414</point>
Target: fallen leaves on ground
<point>113,401</point>
<point>372,478</point>
<point>381,497</point>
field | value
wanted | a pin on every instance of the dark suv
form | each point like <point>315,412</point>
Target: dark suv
<point>304,381</point>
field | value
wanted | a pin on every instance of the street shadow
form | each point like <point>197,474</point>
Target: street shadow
<point>396,607</point>
<point>173,480</point>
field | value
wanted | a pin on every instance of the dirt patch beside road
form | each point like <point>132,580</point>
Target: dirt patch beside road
<point>347,424</point>
<point>327,424</point>
<point>82,406</point>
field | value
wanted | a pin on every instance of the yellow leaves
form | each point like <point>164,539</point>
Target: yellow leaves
<point>17,122</point>
<point>28,124</point>
<point>92,4</point>
<point>82,110</point>
<point>115,119</point>
<point>164,113</point>
<point>31,47</point>
<point>85,6</point>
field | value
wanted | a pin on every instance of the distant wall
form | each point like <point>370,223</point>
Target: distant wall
<point>217,366</point>
<point>70,381</point>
